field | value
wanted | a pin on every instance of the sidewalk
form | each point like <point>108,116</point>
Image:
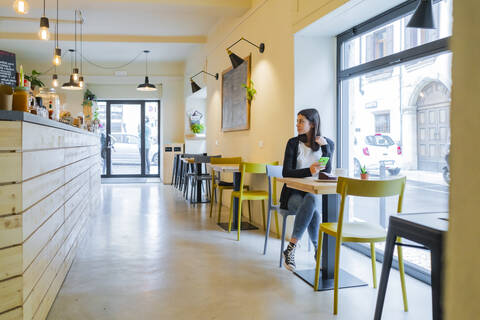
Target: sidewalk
<point>424,176</point>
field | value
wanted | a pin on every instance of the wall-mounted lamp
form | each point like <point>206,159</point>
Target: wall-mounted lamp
<point>423,16</point>
<point>195,86</point>
<point>236,60</point>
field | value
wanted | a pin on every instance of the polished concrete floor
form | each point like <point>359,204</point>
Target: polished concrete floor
<point>151,255</point>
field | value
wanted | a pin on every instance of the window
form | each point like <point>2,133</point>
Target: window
<point>382,122</point>
<point>394,110</point>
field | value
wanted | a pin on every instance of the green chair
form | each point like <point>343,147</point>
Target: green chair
<point>246,167</point>
<point>361,231</point>
<point>222,185</point>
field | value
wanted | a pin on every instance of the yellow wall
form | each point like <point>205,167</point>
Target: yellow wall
<point>463,241</point>
<point>305,12</point>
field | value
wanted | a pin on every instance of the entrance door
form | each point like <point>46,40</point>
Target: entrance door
<point>132,138</point>
<point>433,126</point>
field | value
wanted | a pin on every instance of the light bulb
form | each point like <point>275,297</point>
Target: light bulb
<point>21,6</point>
<point>43,33</point>
<point>81,83</point>
<point>57,57</point>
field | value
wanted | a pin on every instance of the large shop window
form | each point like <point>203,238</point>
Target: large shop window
<point>394,113</point>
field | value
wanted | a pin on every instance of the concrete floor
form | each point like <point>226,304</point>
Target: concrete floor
<point>151,255</point>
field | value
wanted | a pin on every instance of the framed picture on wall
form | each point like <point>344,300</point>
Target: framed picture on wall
<point>235,105</point>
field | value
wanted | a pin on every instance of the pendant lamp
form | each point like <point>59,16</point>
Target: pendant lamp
<point>44,33</point>
<point>57,54</point>
<point>71,85</point>
<point>146,86</point>
<point>55,80</point>
<point>81,82</point>
<point>423,16</point>
<point>236,60</point>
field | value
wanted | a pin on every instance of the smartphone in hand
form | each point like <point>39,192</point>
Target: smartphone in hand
<point>323,161</point>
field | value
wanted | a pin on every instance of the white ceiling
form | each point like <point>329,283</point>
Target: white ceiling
<point>187,21</point>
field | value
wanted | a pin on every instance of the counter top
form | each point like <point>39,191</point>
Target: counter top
<point>33,118</point>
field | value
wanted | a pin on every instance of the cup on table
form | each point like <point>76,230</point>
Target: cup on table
<point>340,172</point>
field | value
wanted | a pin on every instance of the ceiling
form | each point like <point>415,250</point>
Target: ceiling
<point>117,30</point>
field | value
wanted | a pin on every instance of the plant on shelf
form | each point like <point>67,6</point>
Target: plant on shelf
<point>88,98</point>
<point>251,92</point>
<point>363,173</point>
<point>34,80</point>
<point>197,128</point>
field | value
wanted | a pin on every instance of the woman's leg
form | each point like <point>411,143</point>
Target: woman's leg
<point>306,210</point>
<point>307,217</point>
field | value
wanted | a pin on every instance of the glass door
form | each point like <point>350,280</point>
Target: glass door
<point>132,138</point>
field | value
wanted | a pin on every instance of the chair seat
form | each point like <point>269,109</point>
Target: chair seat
<point>356,231</point>
<point>251,195</point>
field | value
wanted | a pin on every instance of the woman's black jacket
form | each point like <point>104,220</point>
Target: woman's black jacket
<point>290,165</point>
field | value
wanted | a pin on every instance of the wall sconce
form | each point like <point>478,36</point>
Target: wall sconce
<point>236,60</point>
<point>423,16</point>
<point>195,86</point>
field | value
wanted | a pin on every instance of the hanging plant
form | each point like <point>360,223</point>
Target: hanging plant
<point>251,92</point>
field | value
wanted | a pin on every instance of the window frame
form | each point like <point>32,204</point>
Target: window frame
<point>436,47</point>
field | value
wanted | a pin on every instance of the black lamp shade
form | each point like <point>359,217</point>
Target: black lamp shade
<point>236,60</point>
<point>71,85</point>
<point>423,16</point>
<point>195,86</point>
<point>146,86</point>
<point>44,22</point>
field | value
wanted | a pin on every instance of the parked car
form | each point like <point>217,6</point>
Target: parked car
<point>370,150</point>
<point>125,149</point>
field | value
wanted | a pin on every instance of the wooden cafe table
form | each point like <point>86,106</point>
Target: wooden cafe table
<point>330,206</point>
<point>235,169</point>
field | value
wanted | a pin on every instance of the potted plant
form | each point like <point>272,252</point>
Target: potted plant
<point>34,80</point>
<point>197,128</point>
<point>363,173</point>
<point>250,91</point>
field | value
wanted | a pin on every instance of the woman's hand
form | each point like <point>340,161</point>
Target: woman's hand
<point>321,140</point>
<point>316,167</point>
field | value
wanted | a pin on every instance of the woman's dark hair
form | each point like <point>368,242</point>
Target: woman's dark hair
<point>314,118</point>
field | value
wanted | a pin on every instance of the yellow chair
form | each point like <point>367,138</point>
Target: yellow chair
<point>361,231</point>
<point>222,185</point>
<point>246,167</point>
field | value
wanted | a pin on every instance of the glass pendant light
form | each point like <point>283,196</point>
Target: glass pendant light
<point>44,33</point>
<point>57,54</point>
<point>75,72</point>
<point>146,86</point>
<point>81,82</point>
<point>55,80</point>
<point>21,6</point>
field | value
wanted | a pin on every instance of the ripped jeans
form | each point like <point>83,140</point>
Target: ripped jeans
<point>307,215</point>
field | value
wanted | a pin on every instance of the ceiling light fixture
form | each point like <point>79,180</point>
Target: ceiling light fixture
<point>423,16</point>
<point>81,82</point>
<point>195,86</point>
<point>44,33</point>
<point>71,85</point>
<point>236,60</point>
<point>20,6</point>
<point>55,80</point>
<point>57,53</point>
<point>146,86</point>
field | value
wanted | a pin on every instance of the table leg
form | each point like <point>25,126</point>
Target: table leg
<point>199,183</point>
<point>329,214</point>
<point>245,225</point>
<point>330,205</point>
<point>387,264</point>
<point>436,262</point>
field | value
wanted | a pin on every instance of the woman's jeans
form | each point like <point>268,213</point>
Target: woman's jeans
<point>307,215</point>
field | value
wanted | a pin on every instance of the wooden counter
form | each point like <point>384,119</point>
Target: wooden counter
<point>49,187</point>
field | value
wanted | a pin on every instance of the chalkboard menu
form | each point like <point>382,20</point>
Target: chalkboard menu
<point>235,106</point>
<point>8,68</point>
